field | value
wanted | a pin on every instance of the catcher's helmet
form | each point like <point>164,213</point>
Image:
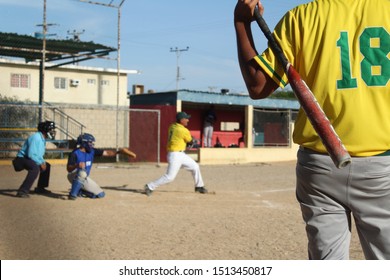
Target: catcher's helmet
<point>47,128</point>
<point>86,141</point>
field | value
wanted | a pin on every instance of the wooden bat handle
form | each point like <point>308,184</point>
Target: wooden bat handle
<point>308,102</point>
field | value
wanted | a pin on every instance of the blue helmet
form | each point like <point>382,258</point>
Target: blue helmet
<point>86,141</point>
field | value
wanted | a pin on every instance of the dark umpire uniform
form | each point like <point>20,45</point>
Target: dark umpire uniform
<point>30,158</point>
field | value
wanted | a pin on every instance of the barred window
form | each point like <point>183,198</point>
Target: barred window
<point>91,81</point>
<point>105,82</point>
<point>20,80</point>
<point>59,83</point>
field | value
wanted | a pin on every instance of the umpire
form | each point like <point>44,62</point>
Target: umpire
<point>30,158</point>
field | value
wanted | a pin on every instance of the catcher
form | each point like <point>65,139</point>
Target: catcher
<point>79,167</point>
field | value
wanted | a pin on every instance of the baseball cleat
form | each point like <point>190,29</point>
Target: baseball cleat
<point>41,191</point>
<point>148,191</point>
<point>201,190</point>
<point>22,195</point>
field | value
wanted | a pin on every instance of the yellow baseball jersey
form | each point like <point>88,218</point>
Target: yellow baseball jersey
<point>341,50</point>
<point>178,137</point>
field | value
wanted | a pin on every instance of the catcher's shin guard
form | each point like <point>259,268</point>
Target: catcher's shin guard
<point>78,182</point>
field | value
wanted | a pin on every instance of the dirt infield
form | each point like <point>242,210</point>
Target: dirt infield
<point>251,214</point>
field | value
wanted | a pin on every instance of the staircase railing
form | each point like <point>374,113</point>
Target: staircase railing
<point>17,121</point>
<point>69,126</point>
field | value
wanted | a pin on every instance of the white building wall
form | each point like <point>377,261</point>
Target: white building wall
<point>103,91</point>
<point>6,69</point>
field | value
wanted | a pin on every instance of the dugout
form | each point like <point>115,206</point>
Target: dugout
<point>249,130</point>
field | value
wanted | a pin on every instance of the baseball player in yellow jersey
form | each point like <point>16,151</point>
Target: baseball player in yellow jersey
<point>178,138</point>
<point>341,50</point>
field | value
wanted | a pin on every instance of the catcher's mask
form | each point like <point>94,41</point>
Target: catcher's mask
<point>86,141</point>
<point>47,128</point>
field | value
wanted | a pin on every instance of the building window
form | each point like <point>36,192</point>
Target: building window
<point>91,81</point>
<point>60,83</point>
<point>20,80</point>
<point>105,83</point>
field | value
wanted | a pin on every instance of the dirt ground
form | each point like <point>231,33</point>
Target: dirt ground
<point>250,214</point>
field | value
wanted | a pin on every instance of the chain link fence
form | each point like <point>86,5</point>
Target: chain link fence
<point>138,129</point>
<point>110,125</point>
<point>272,127</point>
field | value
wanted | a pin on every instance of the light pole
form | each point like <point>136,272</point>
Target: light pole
<point>118,7</point>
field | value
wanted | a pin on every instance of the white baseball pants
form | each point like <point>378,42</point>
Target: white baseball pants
<point>177,160</point>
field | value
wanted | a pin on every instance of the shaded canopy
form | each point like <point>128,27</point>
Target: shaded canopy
<point>30,48</point>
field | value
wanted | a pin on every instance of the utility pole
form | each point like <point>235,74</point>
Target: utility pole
<point>178,52</point>
<point>42,65</point>
<point>118,59</point>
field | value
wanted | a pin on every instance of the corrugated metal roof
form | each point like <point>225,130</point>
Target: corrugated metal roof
<point>211,98</point>
<point>30,48</point>
<point>236,99</point>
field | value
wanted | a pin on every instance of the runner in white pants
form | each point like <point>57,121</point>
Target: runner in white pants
<point>178,138</point>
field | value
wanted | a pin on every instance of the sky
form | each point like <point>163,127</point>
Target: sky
<point>150,33</point>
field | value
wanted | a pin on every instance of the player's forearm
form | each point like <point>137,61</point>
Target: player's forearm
<point>258,83</point>
<point>246,52</point>
<point>70,167</point>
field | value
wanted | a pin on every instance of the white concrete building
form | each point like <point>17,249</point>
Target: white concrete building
<point>69,84</point>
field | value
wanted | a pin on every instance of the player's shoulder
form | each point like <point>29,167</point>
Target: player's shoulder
<point>35,136</point>
<point>74,152</point>
<point>176,125</point>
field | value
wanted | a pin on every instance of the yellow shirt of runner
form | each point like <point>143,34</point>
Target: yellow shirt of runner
<point>178,137</point>
<point>341,50</point>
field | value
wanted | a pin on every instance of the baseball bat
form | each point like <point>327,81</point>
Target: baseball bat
<point>308,102</point>
<point>127,152</point>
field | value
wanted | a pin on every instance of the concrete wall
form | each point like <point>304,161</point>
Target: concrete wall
<point>246,155</point>
<point>103,124</point>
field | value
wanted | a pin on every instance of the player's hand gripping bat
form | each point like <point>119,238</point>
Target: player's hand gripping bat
<point>315,114</point>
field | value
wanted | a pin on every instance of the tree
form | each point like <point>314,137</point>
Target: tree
<point>283,95</point>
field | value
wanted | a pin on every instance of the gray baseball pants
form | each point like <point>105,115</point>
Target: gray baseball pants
<point>88,185</point>
<point>330,197</point>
